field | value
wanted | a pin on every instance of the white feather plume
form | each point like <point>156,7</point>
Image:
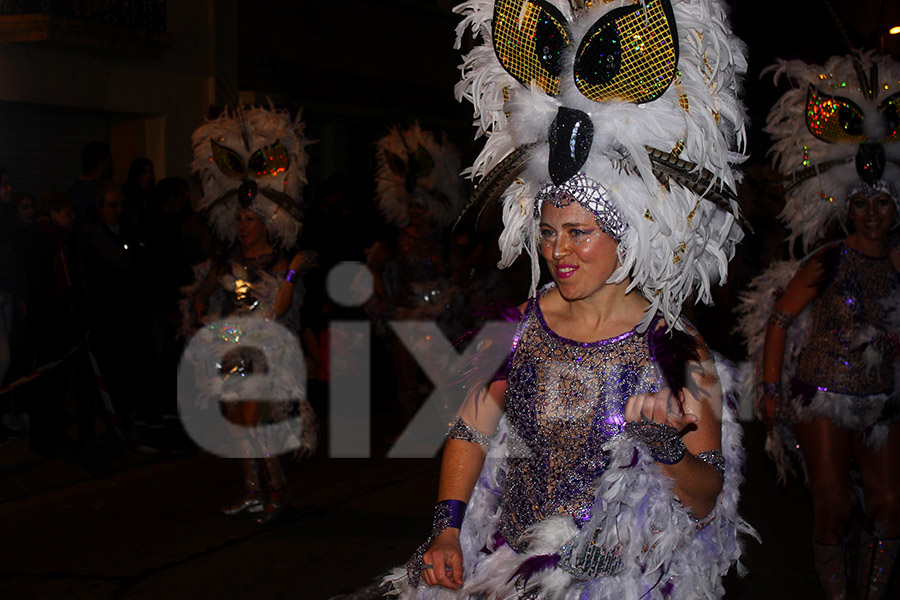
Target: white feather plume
<point>244,131</point>
<point>677,244</point>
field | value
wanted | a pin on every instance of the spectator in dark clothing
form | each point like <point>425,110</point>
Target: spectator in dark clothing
<point>138,191</point>
<point>96,166</point>
<point>169,268</point>
<point>7,218</point>
<point>118,315</point>
<point>66,321</point>
<point>35,333</point>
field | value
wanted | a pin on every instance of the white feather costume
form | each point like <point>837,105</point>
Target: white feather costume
<point>662,551</point>
<point>251,158</point>
<point>835,131</point>
<point>630,108</point>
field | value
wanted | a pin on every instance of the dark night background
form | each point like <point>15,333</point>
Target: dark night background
<point>141,75</point>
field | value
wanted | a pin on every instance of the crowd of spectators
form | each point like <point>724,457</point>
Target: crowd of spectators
<point>89,290</point>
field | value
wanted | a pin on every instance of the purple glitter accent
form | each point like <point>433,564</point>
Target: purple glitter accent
<point>635,455</point>
<point>498,540</point>
<point>534,565</point>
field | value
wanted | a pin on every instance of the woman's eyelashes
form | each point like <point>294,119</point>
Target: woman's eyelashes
<point>577,235</point>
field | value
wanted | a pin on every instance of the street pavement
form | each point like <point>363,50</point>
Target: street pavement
<point>149,527</point>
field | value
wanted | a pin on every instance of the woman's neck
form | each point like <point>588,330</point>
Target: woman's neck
<point>257,250</point>
<point>608,313</point>
<point>874,248</point>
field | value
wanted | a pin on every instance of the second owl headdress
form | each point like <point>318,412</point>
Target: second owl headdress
<point>253,158</point>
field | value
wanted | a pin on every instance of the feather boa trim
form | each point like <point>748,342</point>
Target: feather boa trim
<point>663,552</point>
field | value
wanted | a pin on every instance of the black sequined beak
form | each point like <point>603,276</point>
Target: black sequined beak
<point>247,193</point>
<point>870,162</point>
<point>571,136</point>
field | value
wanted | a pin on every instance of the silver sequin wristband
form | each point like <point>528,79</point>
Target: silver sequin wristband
<point>781,319</point>
<point>460,430</point>
<point>662,440</point>
<point>715,459</point>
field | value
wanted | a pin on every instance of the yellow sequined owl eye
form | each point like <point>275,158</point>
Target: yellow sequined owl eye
<point>890,110</point>
<point>529,38</point>
<point>629,54</point>
<point>833,119</point>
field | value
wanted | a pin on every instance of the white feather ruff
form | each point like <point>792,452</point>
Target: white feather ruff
<point>818,202</point>
<point>441,191</point>
<point>244,131</point>
<point>665,552</point>
<point>671,251</point>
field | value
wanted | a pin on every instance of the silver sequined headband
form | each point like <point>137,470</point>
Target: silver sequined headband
<point>870,189</point>
<point>589,194</point>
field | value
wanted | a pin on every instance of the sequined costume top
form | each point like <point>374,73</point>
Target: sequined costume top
<point>564,401</point>
<point>848,304</point>
<point>245,284</point>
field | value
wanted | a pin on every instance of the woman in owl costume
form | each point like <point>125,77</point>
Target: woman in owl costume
<point>246,301</point>
<point>603,460</point>
<point>420,192</point>
<point>822,331</point>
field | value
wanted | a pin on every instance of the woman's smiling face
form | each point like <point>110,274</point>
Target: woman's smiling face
<point>580,256</point>
<point>873,216</point>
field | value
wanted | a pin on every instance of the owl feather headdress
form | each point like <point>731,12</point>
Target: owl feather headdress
<point>838,128</point>
<point>254,158</point>
<point>414,166</point>
<point>626,105</point>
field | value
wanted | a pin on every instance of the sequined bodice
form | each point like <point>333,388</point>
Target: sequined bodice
<point>564,401</point>
<point>845,309</point>
<point>241,289</point>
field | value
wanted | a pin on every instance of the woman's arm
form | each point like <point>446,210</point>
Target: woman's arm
<point>460,467</point>
<point>799,293</point>
<point>200,300</point>
<point>285,295</point>
<point>697,420</point>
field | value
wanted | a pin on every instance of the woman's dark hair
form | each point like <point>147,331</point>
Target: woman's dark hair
<point>137,169</point>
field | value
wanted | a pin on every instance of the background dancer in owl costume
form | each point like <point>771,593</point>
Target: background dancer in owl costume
<point>604,460</point>
<point>420,192</point>
<point>822,345</point>
<point>252,166</point>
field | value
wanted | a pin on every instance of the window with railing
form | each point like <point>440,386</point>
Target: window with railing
<point>138,26</point>
<point>146,15</point>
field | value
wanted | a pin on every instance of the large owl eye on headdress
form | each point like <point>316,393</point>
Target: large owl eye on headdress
<point>417,164</point>
<point>268,161</point>
<point>890,110</point>
<point>629,54</point>
<point>834,119</point>
<point>529,38</point>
